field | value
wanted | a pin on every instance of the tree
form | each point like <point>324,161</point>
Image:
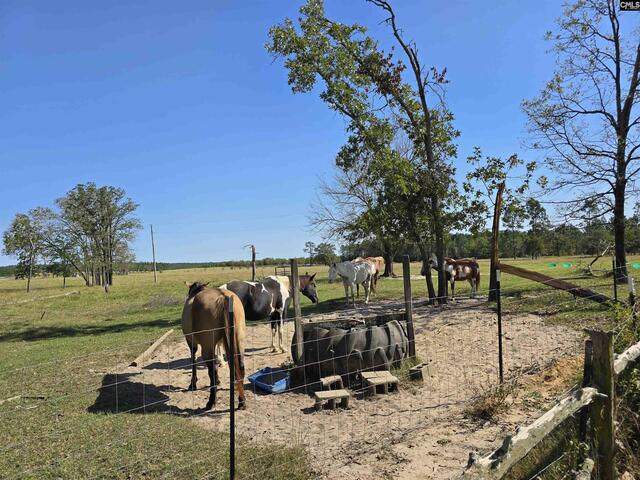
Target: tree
<point>487,182</point>
<point>585,119</point>
<point>514,217</point>
<point>310,248</point>
<point>23,240</point>
<point>366,86</point>
<point>102,218</point>
<point>326,254</point>
<point>538,226</point>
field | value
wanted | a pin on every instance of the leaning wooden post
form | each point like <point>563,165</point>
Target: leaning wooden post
<point>603,411</point>
<point>408,304</point>
<point>299,360</point>
<point>495,244</point>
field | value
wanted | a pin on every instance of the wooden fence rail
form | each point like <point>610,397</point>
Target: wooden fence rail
<point>514,448</point>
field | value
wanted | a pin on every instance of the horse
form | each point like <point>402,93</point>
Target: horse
<point>378,266</point>
<point>457,269</point>
<point>270,298</point>
<point>353,274</point>
<point>205,322</point>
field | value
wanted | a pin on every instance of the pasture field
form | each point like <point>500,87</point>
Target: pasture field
<point>56,351</point>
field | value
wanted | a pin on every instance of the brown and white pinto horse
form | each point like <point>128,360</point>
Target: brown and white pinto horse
<point>458,269</point>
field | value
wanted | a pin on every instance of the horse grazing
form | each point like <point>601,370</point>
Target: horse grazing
<point>205,322</point>
<point>353,274</point>
<point>270,298</point>
<point>457,269</point>
<point>378,266</point>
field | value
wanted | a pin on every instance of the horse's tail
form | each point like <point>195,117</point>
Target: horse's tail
<point>237,350</point>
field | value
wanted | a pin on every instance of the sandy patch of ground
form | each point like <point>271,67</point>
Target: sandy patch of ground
<point>419,432</point>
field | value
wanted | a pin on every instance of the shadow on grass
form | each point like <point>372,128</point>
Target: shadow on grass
<point>46,333</point>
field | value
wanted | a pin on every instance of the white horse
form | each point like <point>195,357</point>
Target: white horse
<point>352,275</point>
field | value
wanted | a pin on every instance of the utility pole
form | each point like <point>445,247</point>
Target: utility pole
<point>153,251</point>
<point>253,261</point>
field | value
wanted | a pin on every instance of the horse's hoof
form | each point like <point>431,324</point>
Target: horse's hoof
<point>242,405</point>
<point>209,406</point>
<point>274,350</point>
<point>192,387</point>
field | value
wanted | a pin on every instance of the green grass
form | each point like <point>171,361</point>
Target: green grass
<point>55,351</point>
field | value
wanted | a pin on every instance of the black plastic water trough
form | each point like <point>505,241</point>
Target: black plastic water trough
<point>348,347</point>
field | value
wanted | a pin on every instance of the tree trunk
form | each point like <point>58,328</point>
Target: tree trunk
<point>388,260</point>
<point>30,274</point>
<point>495,246</point>
<point>426,269</point>
<point>619,234</point>
<point>388,264</point>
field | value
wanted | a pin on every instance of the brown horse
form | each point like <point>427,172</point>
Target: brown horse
<point>205,322</point>
<point>457,269</point>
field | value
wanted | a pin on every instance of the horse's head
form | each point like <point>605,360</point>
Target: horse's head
<point>308,287</point>
<point>195,288</point>
<point>333,273</point>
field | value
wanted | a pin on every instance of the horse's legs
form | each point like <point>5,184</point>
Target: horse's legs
<point>213,377</point>
<point>274,326</point>
<point>193,348</point>
<point>353,297</point>
<point>357,290</point>
<point>280,327</point>
<point>238,362</point>
<point>453,288</point>
<point>472,282</point>
<point>367,289</point>
<point>346,290</point>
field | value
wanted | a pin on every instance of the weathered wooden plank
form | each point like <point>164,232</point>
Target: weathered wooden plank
<point>514,448</point>
<point>139,361</point>
<point>574,290</point>
<point>630,355</point>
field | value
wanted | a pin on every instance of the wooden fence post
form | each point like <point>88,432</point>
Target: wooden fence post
<point>299,360</point>
<point>499,311</point>
<point>408,304</point>
<point>602,412</point>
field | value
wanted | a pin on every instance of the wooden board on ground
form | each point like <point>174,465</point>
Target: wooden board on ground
<point>139,361</point>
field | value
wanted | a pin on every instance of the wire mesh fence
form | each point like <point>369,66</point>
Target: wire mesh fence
<point>282,433</point>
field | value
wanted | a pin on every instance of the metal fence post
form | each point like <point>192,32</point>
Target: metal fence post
<point>615,284</point>
<point>499,309</point>
<point>232,412</point>
<point>408,304</point>
<point>632,289</point>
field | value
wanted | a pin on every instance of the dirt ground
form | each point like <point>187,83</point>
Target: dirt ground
<point>419,432</point>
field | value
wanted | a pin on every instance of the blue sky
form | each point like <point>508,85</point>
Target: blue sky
<point>179,104</point>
